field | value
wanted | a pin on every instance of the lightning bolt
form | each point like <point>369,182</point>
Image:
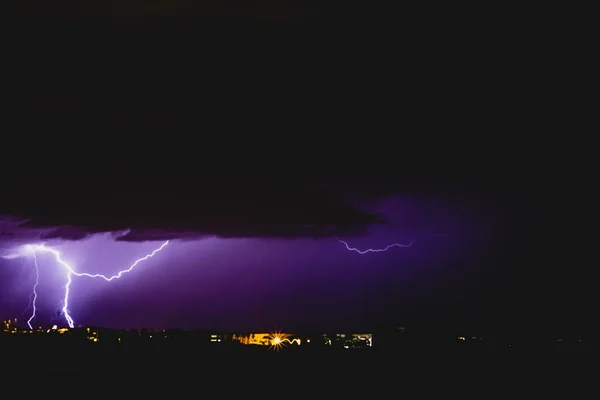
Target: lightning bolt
<point>374,250</point>
<point>35,295</point>
<point>71,271</point>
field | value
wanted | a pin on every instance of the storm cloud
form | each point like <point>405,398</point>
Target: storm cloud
<point>183,211</point>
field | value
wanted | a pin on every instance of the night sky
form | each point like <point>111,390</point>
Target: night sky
<point>255,137</point>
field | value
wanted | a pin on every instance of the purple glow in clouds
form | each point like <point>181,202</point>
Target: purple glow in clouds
<point>33,249</point>
<point>68,269</point>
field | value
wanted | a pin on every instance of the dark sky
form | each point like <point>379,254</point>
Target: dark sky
<point>261,135</point>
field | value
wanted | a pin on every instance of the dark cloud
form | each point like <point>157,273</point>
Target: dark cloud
<point>184,206</point>
<point>123,102</point>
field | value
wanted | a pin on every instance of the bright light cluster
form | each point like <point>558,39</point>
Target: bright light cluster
<point>278,340</point>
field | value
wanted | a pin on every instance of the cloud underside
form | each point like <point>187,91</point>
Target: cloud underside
<point>160,216</point>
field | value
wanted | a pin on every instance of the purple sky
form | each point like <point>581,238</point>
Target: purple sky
<point>253,283</point>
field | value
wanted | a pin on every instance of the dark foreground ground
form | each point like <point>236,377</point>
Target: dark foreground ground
<point>90,369</point>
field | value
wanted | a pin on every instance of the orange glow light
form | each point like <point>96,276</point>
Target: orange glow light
<point>278,340</point>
